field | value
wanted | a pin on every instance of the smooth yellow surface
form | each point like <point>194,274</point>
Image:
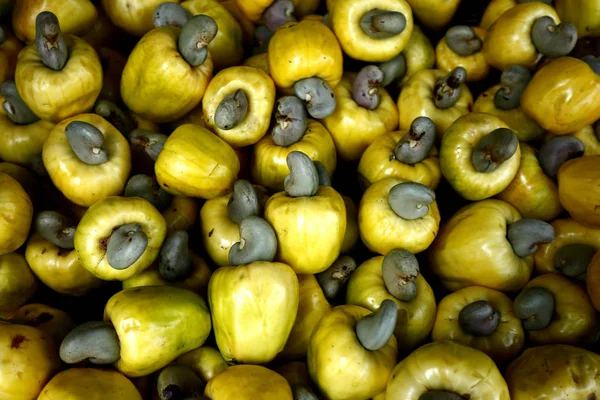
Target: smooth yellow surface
<point>181,214</point>
<point>314,222</point>
<point>269,161</point>
<point>17,282</point>
<point>592,281</point>
<point>90,384</point>
<point>29,358</point>
<point>523,126</point>
<point>219,233</point>
<point>75,16</point>
<point>59,269</point>
<point>98,223</point>
<point>504,344</point>
<point>24,176</point>
<point>434,14</point>
<point>574,321</point>
<point>531,191</point>
<point>557,372</point>
<point>351,235</point>
<point>563,96</point>
<point>579,189</point>
<point>248,382</point>
<point>16,213</point>
<point>416,100</point>
<point>260,93</point>
<point>419,54</point>
<point>133,16</point>
<point>471,249</point>
<point>494,10</point>
<point>157,82</point>
<point>205,361</point>
<point>378,162</point>
<point>197,281</point>
<point>415,318</point>
<point>312,306</point>
<point>304,49</point>
<point>21,143</point>
<point>196,163</point>
<point>476,66</point>
<point>457,149</point>
<point>253,310</point>
<point>57,95</point>
<point>56,323</point>
<point>226,49</point>
<point>253,9</point>
<point>155,325</point>
<point>9,52</point>
<point>81,183</point>
<point>260,61</point>
<point>382,230</point>
<point>245,24</point>
<point>508,40</point>
<point>566,231</point>
<point>352,127</point>
<point>345,17</point>
<point>584,14</point>
<point>339,365</point>
<point>447,366</point>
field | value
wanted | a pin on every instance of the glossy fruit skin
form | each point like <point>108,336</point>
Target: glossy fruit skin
<point>338,363</point>
<point>91,384</point>
<point>97,225</point>
<point>434,14</point>
<point>16,213</point>
<point>509,41</point>
<point>447,366</point>
<point>592,281</point>
<point>181,214</point>
<point>304,49</point>
<point>248,382</point>
<point>416,100</point>
<point>531,191</point>
<point>455,158</point>
<point>312,306</point>
<point>377,162</point>
<point>584,14</point>
<point>415,318</point>
<point>196,163</point>
<point>29,359</point>
<point>177,318</point>
<point>260,92</point>
<point>344,17</point>
<point>418,53</point>
<point>269,166</point>
<point>133,16</point>
<point>494,10</point>
<point>59,269</point>
<point>579,191</point>
<point>523,126</point>
<point>476,65</point>
<point>81,183</point>
<point>17,283</point>
<point>314,222</point>
<point>471,249</point>
<point>253,310</point>
<point>55,96</point>
<point>353,127</point>
<point>226,49</point>
<point>205,361</point>
<point>556,372</point>
<point>382,230</point>
<point>503,344</point>
<point>574,322</point>
<point>563,96</point>
<point>157,83</point>
<point>566,231</point>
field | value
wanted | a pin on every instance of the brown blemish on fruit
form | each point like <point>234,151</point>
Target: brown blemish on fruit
<point>42,318</point>
<point>17,340</point>
<point>211,232</point>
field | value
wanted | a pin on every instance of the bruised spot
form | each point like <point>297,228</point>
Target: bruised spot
<point>592,396</point>
<point>42,318</point>
<point>103,244</point>
<point>44,251</point>
<point>211,232</point>
<point>17,340</point>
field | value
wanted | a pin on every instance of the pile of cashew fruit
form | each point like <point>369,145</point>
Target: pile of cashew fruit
<point>299,199</point>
